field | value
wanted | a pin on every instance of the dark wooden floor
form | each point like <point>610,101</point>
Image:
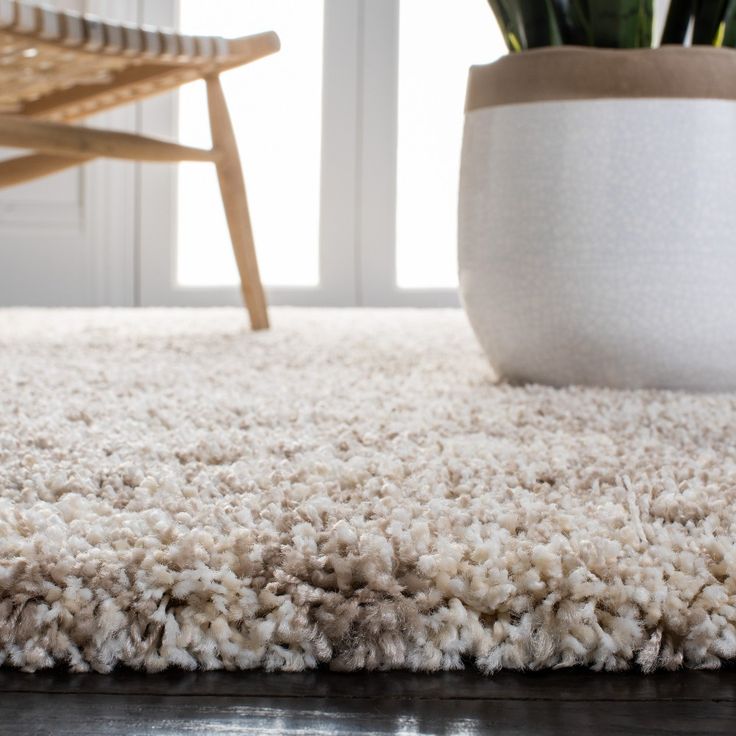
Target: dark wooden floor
<point>456,704</point>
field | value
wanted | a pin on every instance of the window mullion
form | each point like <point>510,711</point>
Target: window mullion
<point>339,220</point>
<point>376,241</point>
<point>338,187</point>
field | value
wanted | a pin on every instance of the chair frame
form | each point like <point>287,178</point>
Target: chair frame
<point>126,63</point>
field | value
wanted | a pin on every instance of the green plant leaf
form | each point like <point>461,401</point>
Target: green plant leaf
<point>729,25</point>
<point>678,21</point>
<point>618,24</point>
<point>609,23</point>
<point>708,18</point>
<point>646,23</point>
<point>540,23</point>
<point>507,20</point>
<point>573,20</point>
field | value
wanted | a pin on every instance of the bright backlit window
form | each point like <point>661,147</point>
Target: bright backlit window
<point>276,106</point>
<point>439,40</point>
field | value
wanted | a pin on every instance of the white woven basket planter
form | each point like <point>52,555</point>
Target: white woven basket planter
<point>598,217</point>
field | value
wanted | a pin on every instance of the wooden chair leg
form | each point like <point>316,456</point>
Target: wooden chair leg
<point>232,188</point>
<point>34,166</point>
<point>45,136</point>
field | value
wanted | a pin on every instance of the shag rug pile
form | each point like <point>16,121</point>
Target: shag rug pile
<point>350,488</point>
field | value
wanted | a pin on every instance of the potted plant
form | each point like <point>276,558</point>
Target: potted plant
<point>597,219</point>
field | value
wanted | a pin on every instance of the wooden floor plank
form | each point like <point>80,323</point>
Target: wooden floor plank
<point>57,703</point>
<point>559,685</point>
<point>33,714</point>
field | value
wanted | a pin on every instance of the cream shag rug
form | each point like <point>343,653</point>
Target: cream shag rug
<point>350,488</point>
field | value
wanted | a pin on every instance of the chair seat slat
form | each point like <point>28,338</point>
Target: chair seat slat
<point>152,42</point>
<point>187,46</point>
<point>170,44</point>
<point>44,51</point>
<point>50,25</point>
<point>132,40</point>
<point>221,47</point>
<point>205,46</point>
<point>72,29</point>
<point>114,38</point>
<point>94,33</point>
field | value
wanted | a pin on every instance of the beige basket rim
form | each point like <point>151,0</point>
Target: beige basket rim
<point>582,73</point>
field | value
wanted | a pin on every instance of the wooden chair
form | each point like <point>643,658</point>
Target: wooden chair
<point>58,67</point>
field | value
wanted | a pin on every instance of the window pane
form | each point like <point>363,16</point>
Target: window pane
<point>439,40</point>
<point>276,106</point>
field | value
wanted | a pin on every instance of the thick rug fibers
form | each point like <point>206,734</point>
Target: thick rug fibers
<point>349,488</point>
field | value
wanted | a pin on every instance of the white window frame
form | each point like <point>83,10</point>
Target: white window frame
<point>357,241</point>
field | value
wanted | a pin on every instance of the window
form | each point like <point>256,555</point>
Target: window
<point>350,138</point>
<point>276,107</point>
<point>438,42</point>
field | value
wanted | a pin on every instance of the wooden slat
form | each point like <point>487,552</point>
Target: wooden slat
<point>27,168</point>
<point>170,48</point>
<point>132,40</point>
<point>152,42</point>
<point>94,33</point>
<point>51,26</point>
<point>145,80</point>
<point>114,38</point>
<point>87,33</point>
<point>187,46</point>
<point>73,33</point>
<point>57,138</point>
<point>221,48</point>
<point>78,102</point>
<point>250,48</point>
<point>205,47</point>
